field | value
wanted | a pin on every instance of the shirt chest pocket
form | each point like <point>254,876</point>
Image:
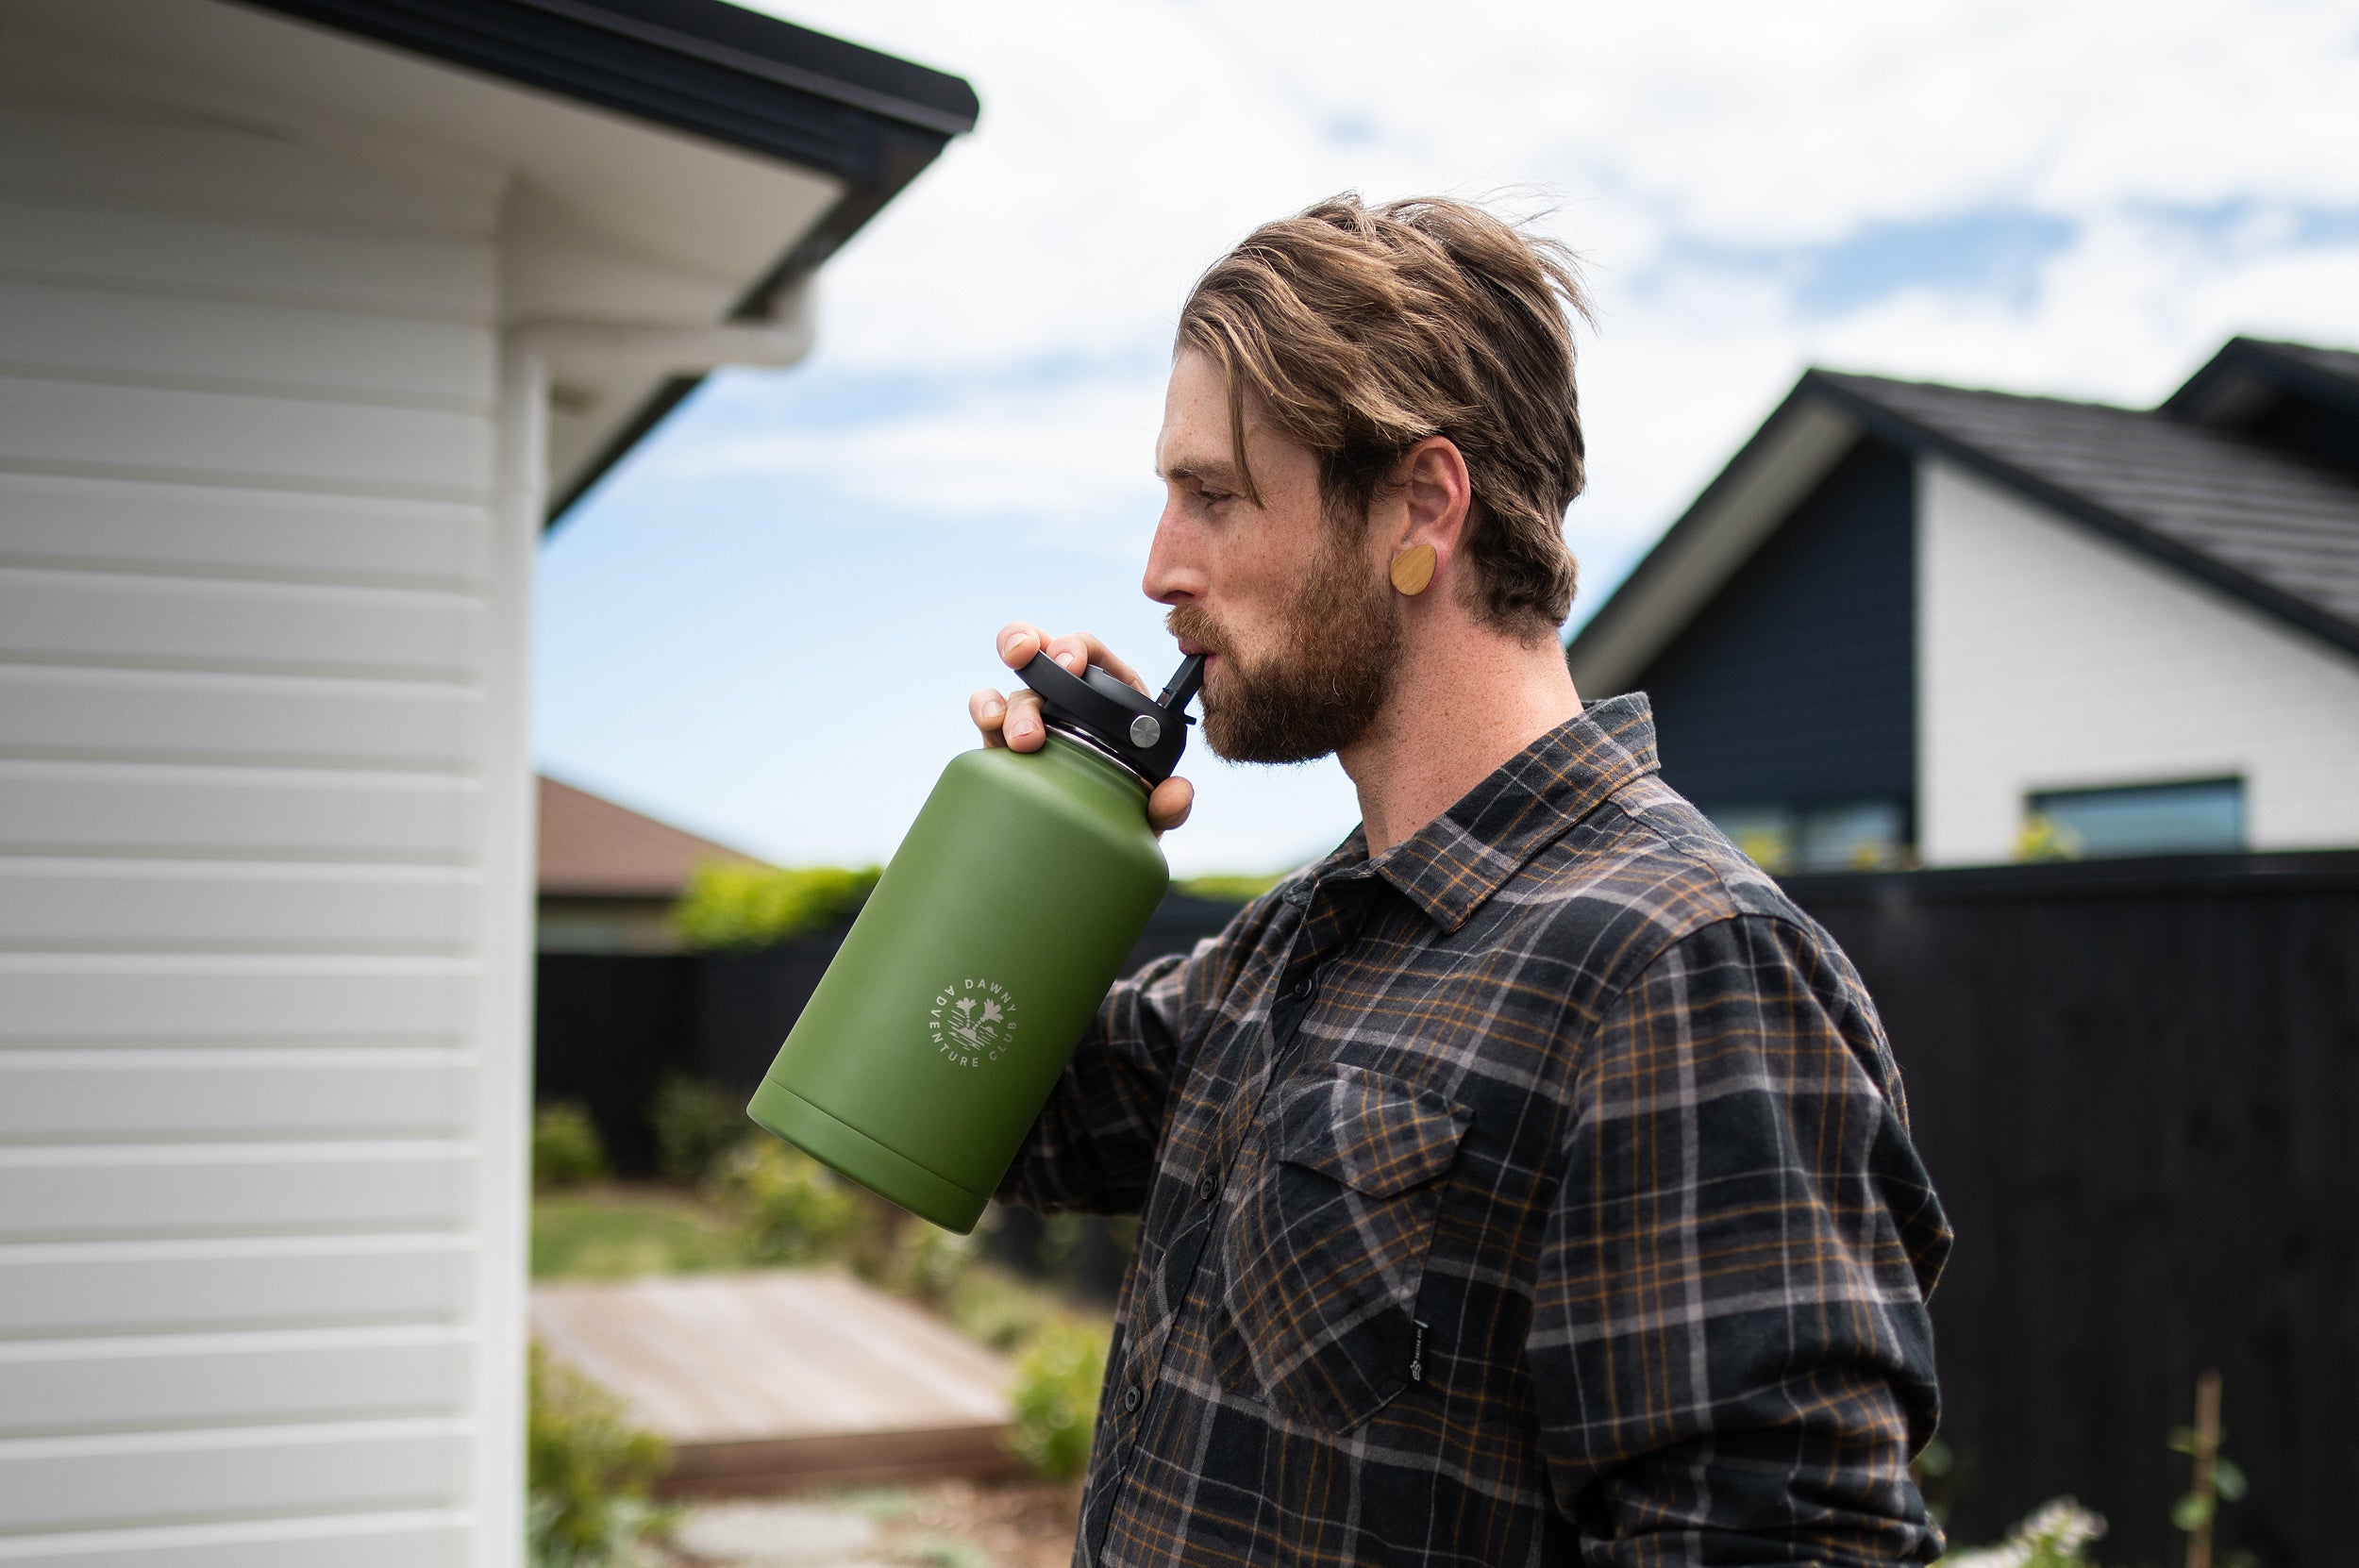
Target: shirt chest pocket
<point>1324,1255</point>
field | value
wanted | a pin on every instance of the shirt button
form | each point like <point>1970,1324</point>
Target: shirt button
<point>1206,1188</point>
<point>1130,1397</point>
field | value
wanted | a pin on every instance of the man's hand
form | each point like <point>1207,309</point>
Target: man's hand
<point>1015,722</point>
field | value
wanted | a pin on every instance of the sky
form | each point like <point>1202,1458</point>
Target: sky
<point>765,624</point>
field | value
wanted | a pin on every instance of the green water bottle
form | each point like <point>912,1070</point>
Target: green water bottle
<point>959,994</point>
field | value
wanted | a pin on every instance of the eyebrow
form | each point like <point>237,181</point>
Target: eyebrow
<point>1209,470</point>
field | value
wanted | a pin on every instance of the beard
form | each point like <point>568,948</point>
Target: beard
<point>1338,657</point>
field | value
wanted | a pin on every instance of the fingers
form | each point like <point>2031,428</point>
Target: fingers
<point>1077,651</point>
<point>988,708</point>
<point>1011,722</point>
<point>1023,730</point>
<point>1018,642</point>
<point>1168,806</point>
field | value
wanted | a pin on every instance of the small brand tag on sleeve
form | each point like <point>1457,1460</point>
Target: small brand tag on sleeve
<point>1416,1353</point>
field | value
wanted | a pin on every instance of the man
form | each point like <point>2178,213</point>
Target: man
<point>1529,1177</point>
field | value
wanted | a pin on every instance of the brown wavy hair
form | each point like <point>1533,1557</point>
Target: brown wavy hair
<point>1362,330</point>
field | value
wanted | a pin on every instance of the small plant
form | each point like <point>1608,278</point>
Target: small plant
<point>587,1473</point>
<point>790,1208</point>
<point>2054,1535</point>
<point>743,905</point>
<point>696,1124</point>
<point>994,1307</point>
<point>2215,1480</point>
<point>1057,1383</point>
<point>566,1150</point>
<point>930,1263</point>
<point>1935,1471</point>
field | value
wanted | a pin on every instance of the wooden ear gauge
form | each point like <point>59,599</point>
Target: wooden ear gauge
<point>1413,569</point>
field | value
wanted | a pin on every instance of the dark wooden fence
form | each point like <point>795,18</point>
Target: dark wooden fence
<point>608,1028</point>
<point>2137,1084</point>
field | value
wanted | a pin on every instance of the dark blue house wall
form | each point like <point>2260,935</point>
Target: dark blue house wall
<point>1795,685</point>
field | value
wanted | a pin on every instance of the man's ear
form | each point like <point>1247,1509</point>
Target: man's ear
<point>1436,497</point>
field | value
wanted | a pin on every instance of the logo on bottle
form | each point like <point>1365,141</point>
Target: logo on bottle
<point>973,1022</point>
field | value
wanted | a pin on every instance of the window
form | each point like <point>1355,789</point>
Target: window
<point>2200,816</point>
<point>1852,835</point>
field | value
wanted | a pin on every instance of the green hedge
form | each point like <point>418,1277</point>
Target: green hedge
<point>742,905</point>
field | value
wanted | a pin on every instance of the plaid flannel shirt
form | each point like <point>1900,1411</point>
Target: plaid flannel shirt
<point>1541,1186</point>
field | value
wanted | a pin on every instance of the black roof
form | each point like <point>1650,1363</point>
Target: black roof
<point>710,69</point>
<point>2277,528</point>
<point>2248,377</point>
<point>2248,477</point>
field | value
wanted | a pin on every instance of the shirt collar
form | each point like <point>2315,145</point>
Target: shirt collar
<point>1449,866</point>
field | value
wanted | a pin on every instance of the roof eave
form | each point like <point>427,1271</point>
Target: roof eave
<point>1795,448</point>
<point>1888,423</point>
<point>730,76</point>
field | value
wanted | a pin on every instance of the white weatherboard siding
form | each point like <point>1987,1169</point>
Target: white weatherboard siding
<point>263,838</point>
<point>2050,656</point>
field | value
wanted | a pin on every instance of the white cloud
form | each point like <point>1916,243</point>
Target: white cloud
<point>1021,294</point>
<point>1070,459</point>
<point>1124,147</point>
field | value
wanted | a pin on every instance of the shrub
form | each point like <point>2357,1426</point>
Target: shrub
<point>1057,1382</point>
<point>790,1208</point>
<point>587,1474</point>
<point>994,1307</point>
<point>565,1147</point>
<point>694,1123</point>
<point>930,1264</point>
<point>740,904</point>
<point>1231,889</point>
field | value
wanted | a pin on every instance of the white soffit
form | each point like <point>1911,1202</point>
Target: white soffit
<point>1734,518</point>
<point>604,217</point>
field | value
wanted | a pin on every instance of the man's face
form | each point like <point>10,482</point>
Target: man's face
<point>1303,638</point>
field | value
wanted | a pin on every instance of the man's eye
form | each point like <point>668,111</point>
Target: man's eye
<point>1213,497</point>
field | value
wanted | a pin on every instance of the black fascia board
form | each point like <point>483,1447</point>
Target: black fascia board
<point>1890,424</point>
<point>1659,558</point>
<point>2261,361</point>
<point>712,70</point>
<point>705,67</point>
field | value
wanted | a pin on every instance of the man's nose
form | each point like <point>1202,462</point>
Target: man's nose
<point>1172,576</point>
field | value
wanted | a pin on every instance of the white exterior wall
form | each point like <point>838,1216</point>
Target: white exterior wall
<point>264,851</point>
<point>2050,656</point>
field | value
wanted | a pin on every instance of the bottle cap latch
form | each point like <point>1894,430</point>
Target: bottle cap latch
<point>1145,734</point>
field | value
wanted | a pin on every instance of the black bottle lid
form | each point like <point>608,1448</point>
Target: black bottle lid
<point>1143,733</point>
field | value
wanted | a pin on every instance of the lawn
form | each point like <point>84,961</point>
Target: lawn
<point>635,1231</point>
<point>618,1231</point>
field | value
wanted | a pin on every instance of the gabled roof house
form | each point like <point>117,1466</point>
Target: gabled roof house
<point>1910,623</point>
<point>312,314</point>
<point>610,876</point>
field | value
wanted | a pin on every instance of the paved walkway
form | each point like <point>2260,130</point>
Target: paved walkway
<point>777,1535</point>
<point>786,1377</point>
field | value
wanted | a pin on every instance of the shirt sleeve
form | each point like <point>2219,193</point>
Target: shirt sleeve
<point>1730,1345</point>
<point>1093,1150</point>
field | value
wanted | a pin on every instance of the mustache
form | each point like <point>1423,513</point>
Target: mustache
<point>1196,624</point>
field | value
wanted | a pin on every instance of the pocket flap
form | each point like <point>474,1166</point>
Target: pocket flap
<point>1375,1134</point>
